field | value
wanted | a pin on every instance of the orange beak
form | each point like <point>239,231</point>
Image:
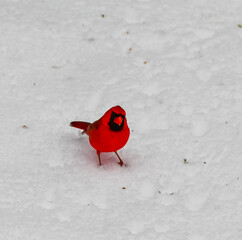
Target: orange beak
<point>118,120</point>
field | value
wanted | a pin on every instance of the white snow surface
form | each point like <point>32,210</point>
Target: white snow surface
<point>175,66</point>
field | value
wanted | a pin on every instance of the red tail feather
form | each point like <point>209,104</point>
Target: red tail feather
<point>81,125</point>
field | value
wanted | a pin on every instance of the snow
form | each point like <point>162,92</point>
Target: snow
<point>174,66</point>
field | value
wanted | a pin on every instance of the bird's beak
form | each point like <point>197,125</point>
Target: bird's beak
<point>118,120</point>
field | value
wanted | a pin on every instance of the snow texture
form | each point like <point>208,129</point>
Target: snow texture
<point>174,66</point>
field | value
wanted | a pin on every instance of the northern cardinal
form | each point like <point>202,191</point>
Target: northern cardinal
<point>108,134</point>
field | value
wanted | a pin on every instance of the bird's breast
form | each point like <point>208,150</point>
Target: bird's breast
<point>105,140</point>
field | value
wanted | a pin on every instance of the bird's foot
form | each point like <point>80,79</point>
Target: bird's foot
<point>122,164</point>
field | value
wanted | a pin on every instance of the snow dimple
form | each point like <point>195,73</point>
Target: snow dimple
<point>146,188</point>
<point>63,216</point>
<point>199,127</point>
<point>162,227</point>
<point>203,33</point>
<point>195,197</point>
<point>153,88</point>
<point>204,74</point>
<point>130,15</point>
<point>100,201</point>
<point>149,115</point>
<point>151,42</point>
<point>136,227</point>
<point>196,237</point>
<point>48,200</point>
<point>186,110</point>
<point>163,123</point>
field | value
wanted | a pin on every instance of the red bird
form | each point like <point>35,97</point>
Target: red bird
<point>108,134</point>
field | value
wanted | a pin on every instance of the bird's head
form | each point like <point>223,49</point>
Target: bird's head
<point>115,118</point>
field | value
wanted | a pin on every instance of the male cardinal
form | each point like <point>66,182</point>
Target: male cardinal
<point>108,134</point>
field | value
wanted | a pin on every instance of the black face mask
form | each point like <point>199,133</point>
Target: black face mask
<point>114,126</point>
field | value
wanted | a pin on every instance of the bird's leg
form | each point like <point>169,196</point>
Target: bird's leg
<point>99,159</point>
<point>120,160</point>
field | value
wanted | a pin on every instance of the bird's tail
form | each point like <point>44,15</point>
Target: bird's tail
<point>81,125</point>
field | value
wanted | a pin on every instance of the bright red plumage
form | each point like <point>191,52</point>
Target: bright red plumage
<point>108,134</point>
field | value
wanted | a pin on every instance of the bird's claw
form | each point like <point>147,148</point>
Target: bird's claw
<point>122,164</point>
